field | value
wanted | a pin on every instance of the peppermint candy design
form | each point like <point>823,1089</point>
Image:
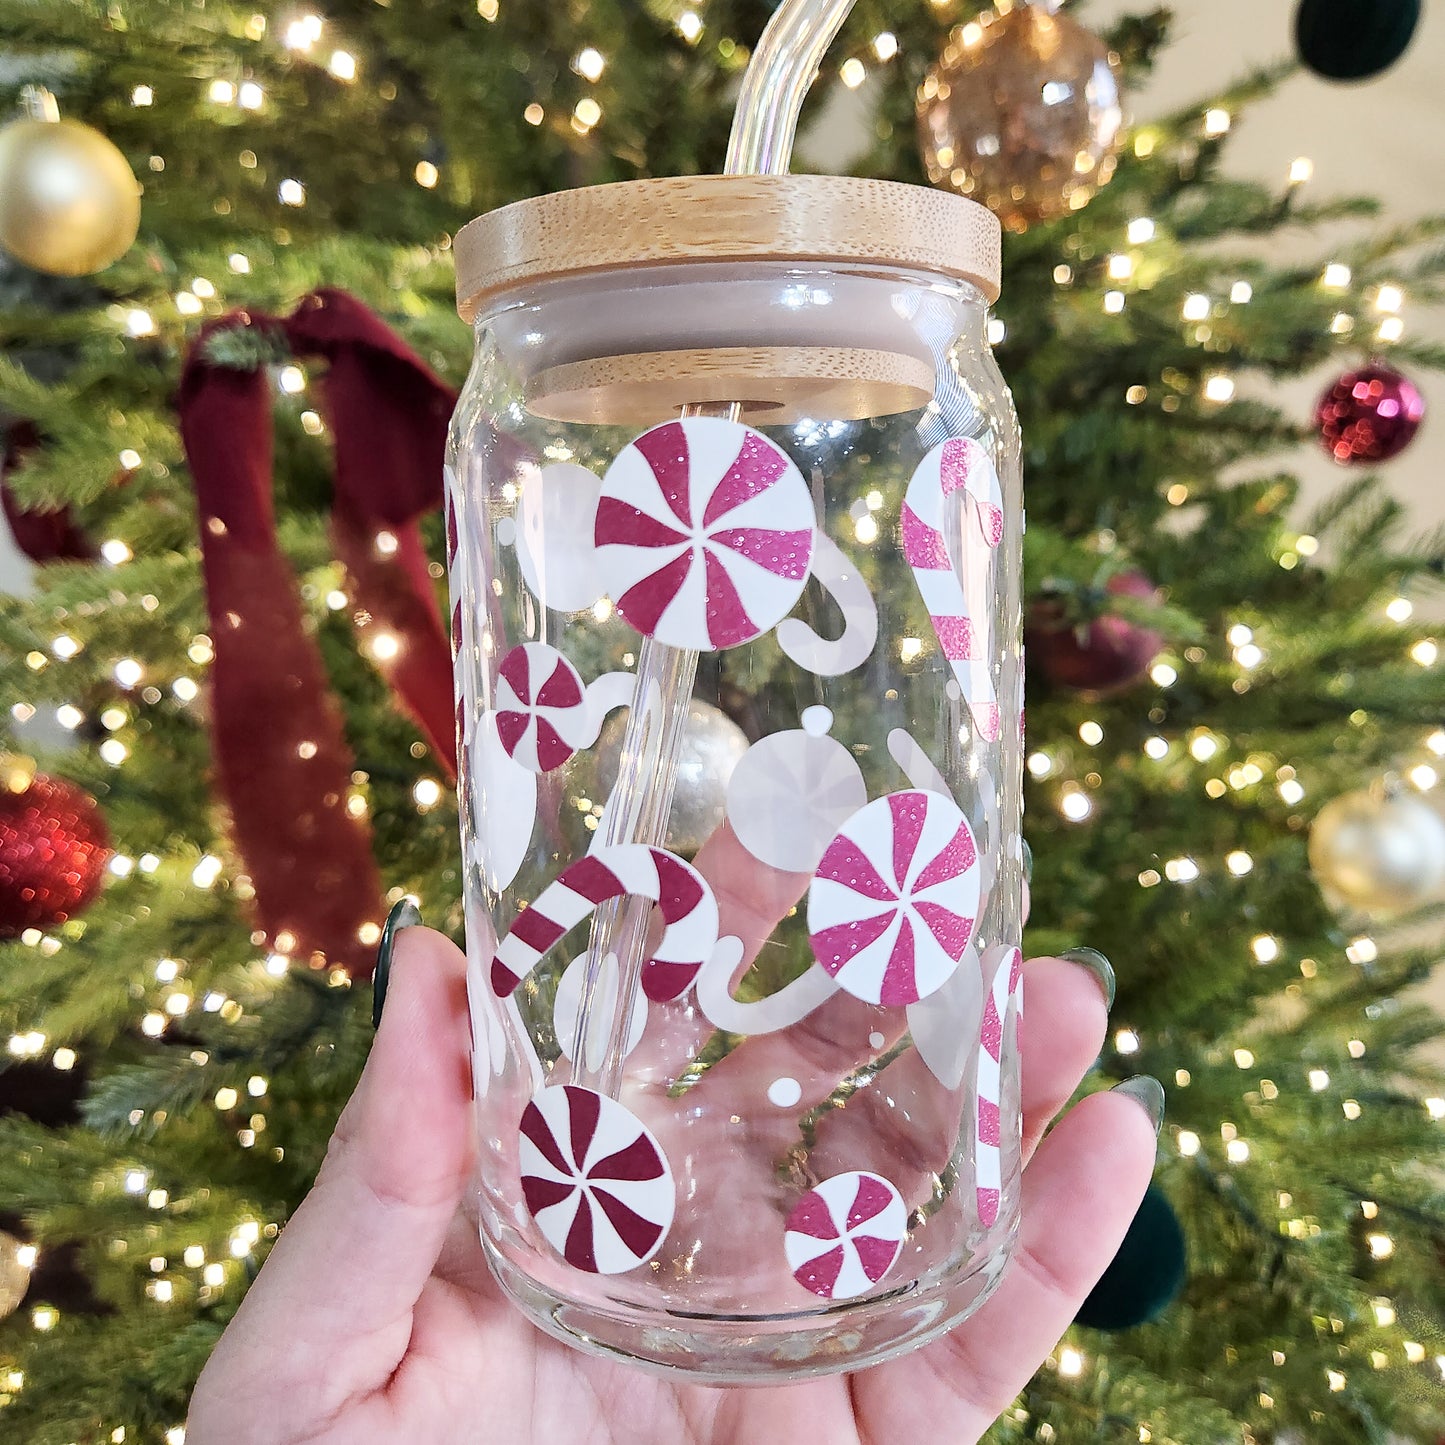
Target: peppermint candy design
<point>616,870</point>
<point>595,1180</point>
<point>845,1235</point>
<point>704,533</point>
<point>893,902</point>
<point>1007,988</point>
<point>961,613</point>
<point>542,715</point>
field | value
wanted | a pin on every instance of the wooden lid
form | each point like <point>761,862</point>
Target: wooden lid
<point>719,218</point>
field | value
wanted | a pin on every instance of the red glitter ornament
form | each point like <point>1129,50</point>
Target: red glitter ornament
<point>1369,415</point>
<point>53,850</point>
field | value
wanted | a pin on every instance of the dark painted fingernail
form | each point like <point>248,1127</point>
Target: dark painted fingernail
<point>404,914</point>
<point>1028,861</point>
<point>1148,1093</point>
<point>1098,965</point>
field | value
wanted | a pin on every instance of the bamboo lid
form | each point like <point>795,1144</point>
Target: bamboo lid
<point>713,218</point>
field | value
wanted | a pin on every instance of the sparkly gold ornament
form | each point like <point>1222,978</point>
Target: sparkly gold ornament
<point>1381,852</point>
<point>712,744</point>
<point>1022,113</point>
<point>14,1276</point>
<point>69,204</point>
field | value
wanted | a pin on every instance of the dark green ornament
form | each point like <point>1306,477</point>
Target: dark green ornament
<point>1353,39</point>
<point>1145,1275</point>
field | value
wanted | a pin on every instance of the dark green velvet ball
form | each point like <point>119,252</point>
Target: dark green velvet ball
<point>1353,39</point>
<point>1145,1275</point>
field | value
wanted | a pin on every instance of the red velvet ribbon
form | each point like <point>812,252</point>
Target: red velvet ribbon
<point>43,534</point>
<point>278,734</point>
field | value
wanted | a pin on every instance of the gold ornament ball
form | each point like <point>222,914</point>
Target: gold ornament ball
<point>69,204</point>
<point>1022,113</point>
<point>712,744</point>
<point>1379,853</point>
<point>14,1276</point>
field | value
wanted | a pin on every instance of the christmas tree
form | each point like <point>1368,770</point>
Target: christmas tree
<point>174,1068</point>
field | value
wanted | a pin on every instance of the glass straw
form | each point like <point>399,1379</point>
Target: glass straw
<point>783,68</point>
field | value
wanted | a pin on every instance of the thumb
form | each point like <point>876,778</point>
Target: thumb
<point>338,1288</point>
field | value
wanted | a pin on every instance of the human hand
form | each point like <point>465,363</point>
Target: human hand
<point>375,1318</point>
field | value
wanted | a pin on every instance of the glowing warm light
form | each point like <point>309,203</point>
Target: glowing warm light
<point>1265,948</point>
<point>1381,1245</point>
<point>997,331</point>
<point>1362,950</point>
<point>1203,748</point>
<point>586,113</point>
<point>153,1025</point>
<point>1071,1362</point>
<point>1156,748</point>
<point>139,323</point>
<point>1163,675</point>
<point>865,529</point>
<point>1091,733</point>
<point>852,72</point>
<point>1241,293</point>
<point>1040,765</point>
<point>689,26</point>
<point>142,95</point>
<point>1216,121</point>
<point>1392,328</point>
<point>589,63</point>
<point>214,1275</point>
<point>185,689</point>
<point>44,1317</point>
<point>342,65</point>
<point>64,1060</point>
<point>385,646</point>
<point>1075,805</point>
<point>205,873</point>
<point>427,793</point>
<point>1291,791</point>
<point>1399,609</point>
<point>251,96</point>
<point>1141,229</point>
<point>426,175</point>
<point>1121,266</point>
<point>1181,870</point>
<point>226,1098</point>
<point>291,192</point>
<point>885,45</point>
<point>1126,1041</point>
<point>1219,389</point>
<point>1189,1143</point>
<point>222,92</point>
<point>239,263</point>
<point>1335,276</point>
<point>1236,1151</point>
<point>1389,298</point>
<point>291,379</point>
<point>1113,302</point>
<point>910,648</point>
<point>1239,863</point>
<point>1423,776</point>
<point>1426,652</point>
<point>1195,308</point>
<point>1301,169</point>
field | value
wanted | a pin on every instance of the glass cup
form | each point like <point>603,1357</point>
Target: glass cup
<point>734,540</point>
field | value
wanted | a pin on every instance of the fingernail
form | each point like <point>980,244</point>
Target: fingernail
<point>1148,1093</point>
<point>404,914</point>
<point>1028,861</point>
<point>1098,965</point>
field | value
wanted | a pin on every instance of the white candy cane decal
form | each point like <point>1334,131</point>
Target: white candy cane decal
<point>988,1169</point>
<point>961,614</point>
<point>618,870</point>
<point>844,583</point>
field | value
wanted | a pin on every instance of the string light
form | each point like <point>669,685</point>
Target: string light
<point>1195,308</point>
<point>1219,388</point>
<point>589,63</point>
<point>585,114</point>
<point>1425,652</point>
<point>1040,765</point>
<point>689,26</point>
<point>291,192</point>
<point>1121,266</point>
<point>1237,1151</point>
<point>1075,804</point>
<point>1265,948</point>
<point>1071,1362</point>
<point>1241,293</point>
<point>1189,1143</point>
<point>1216,121</point>
<point>1181,870</point>
<point>1423,776</point>
<point>865,529</point>
<point>885,45</point>
<point>426,175</point>
<point>142,95</point>
<point>222,92</point>
<point>1341,324</point>
<point>1301,169</point>
<point>1113,302</point>
<point>1156,748</point>
<point>250,96</point>
<point>852,72</point>
<point>1239,863</point>
<point>1140,230</point>
<point>342,65</point>
<point>1392,328</point>
<point>1381,1245</point>
<point>1335,276</point>
<point>1091,734</point>
<point>1126,1041</point>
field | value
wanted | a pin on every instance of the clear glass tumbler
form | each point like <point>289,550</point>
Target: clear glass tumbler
<point>734,535</point>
